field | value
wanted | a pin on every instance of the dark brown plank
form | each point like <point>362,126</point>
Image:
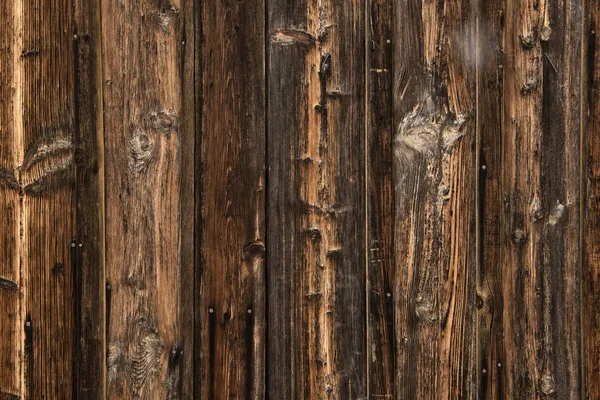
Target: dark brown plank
<point>316,200</point>
<point>90,356</point>
<point>189,173</point>
<point>380,197</point>
<point>540,199</point>
<point>12,320</point>
<point>233,186</point>
<point>435,205</point>
<point>591,197</point>
<point>142,92</point>
<point>47,179</point>
<point>489,136</point>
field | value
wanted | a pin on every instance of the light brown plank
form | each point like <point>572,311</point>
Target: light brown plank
<point>11,327</point>
<point>142,63</point>
<point>435,204</point>
<point>540,199</point>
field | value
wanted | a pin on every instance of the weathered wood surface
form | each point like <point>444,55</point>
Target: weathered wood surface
<point>539,199</point>
<point>11,283</point>
<point>382,199</point>
<point>231,297</point>
<point>142,92</point>
<point>316,202</point>
<point>89,274</point>
<point>435,206</point>
<point>590,113</point>
<point>490,300</point>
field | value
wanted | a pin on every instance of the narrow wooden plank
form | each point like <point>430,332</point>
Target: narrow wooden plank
<point>591,197</point>
<point>89,360</point>
<point>380,192</point>
<point>47,179</point>
<point>316,200</point>
<point>232,282</point>
<point>11,326</point>
<point>490,306</point>
<point>435,187</point>
<point>189,174</point>
<point>540,199</point>
<point>142,65</point>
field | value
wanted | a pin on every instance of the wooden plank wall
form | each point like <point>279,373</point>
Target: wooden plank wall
<point>310,199</point>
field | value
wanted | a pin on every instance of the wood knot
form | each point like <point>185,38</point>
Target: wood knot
<point>519,236</point>
<point>291,36</point>
<point>163,20</point>
<point>545,33</point>
<point>535,209</point>
<point>527,42</point>
<point>314,234</point>
<point>556,214</point>
<point>163,121</point>
<point>425,310</point>
<point>254,249</point>
<point>529,85</point>
<point>547,383</point>
<point>8,284</point>
<point>141,148</point>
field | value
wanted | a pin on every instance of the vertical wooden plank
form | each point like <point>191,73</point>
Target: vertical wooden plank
<point>11,289</point>
<point>380,197</point>
<point>490,24</point>
<point>435,187</point>
<point>540,199</point>
<point>232,282</point>
<point>591,198</point>
<point>142,91</point>
<point>89,361</point>
<point>47,176</point>
<point>316,200</point>
<point>189,173</point>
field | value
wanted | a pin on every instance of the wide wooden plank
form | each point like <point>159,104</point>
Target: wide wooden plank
<point>142,92</point>
<point>90,352</point>
<point>490,300</point>
<point>435,205</point>
<point>380,196</point>
<point>591,200</point>
<point>231,302</point>
<point>316,200</point>
<point>11,289</point>
<point>540,199</point>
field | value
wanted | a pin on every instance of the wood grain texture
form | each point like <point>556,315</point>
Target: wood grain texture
<point>47,179</point>
<point>232,260</point>
<point>380,196</point>
<point>435,205</point>
<point>316,200</point>
<point>189,173</point>
<point>540,199</point>
<point>591,197</point>
<point>11,289</point>
<point>490,71</point>
<point>142,92</point>
<point>89,273</point>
